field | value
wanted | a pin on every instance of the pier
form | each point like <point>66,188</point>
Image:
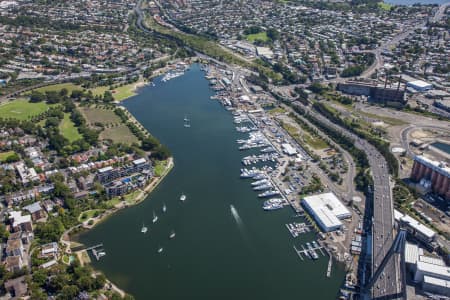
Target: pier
<point>297,228</point>
<point>97,251</point>
<point>306,252</point>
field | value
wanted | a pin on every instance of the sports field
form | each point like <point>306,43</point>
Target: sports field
<point>68,130</point>
<point>22,109</point>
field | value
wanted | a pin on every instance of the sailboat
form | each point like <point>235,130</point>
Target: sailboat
<point>164,209</point>
<point>155,217</point>
<point>172,234</point>
<point>187,123</point>
<point>144,229</point>
<point>182,197</point>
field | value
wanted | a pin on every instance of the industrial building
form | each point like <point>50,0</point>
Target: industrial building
<point>430,273</point>
<point>442,104</point>
<point>327,210</point>
<point>415,228</point>
<point>432,175</point>
<point>389,96</point>
<point>419,85</point>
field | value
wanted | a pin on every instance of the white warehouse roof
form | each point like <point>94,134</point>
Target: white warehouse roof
<point>419,83</point>
<point>327,210</point>
<point>329,202</point>
<point>288,149</point>
<point>433,270</point>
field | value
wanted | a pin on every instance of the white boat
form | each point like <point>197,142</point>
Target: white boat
<point>160,249</point>
<point>144,229</point>
<point>172,234</point>
<point>187,122</point>
<point>164,208</point>
<point>155,217</point>
<point>100,254</point>
<point>182,197</point>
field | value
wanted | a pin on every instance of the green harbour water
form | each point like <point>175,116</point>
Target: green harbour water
<point>217,253</point>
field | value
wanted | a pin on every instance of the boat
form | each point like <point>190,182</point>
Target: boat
<point>182,197</point>
<point>268,193</point>
<point>315,245</point>
<point>160,249</point>
<point>172,234</point>
<point>263,187</point>
<point>164,208</point>
<point>313,254</point>
<point>187,122</point>
<point>259,182</point>
<point>144,229</point>
<point>100,254</point>
<point>155,217</point>
<point>272,206</point>
<point>308,245</point>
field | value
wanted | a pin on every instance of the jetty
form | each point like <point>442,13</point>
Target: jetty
<point>306,251</point>
<point>97,251</point>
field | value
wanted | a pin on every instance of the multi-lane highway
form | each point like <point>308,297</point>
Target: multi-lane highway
<point>383,210</point>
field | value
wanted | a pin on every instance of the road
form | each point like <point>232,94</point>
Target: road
<point>404,135</point>
<point>383,210</point>
<point>378,63</point>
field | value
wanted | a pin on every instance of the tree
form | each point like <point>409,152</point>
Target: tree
<point>12,158</point>
<point>108,97</point>
<point>273,34</point>
<point>68,292</point>
<point>37,97</point>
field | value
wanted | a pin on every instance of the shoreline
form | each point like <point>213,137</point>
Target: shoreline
<point>144,192</point>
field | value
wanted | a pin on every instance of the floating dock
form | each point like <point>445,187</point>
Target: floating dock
<point>97,251</point>
<point>297,228</point>
<point>306,252</point>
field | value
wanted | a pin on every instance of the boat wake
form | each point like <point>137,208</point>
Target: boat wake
<point>236,216</point>
<point>241,227</point>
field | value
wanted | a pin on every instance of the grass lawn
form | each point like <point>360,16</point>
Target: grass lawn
<point>5,155</point>
<point>99,115</point>
<point>384,5</point>
<point>22,109</point>
<point>387,120</point>
<point>113,201</point>
<point>119,134</point>
<point>68,129</point>
<point>131,197</point>
<point>57,87</point>
<point>315,142</point>
<point>160,167</point>
<point>100,90</point>
<point>275,111</point>
<point>123,92</point>
<point>262,36</point>
<point>89,214</point>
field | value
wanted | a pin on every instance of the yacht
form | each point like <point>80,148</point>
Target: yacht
<point>144,229</point>
<point>182,197</point>
<point>313,254</point>
<point>272,206</point>
<point>263,187</point>
<point>268,193</point>
<point>172,234</point>
<point>259,182</point>
<point>187,122</point>
<point>155,217</point>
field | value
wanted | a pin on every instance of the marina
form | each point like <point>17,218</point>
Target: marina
<point>309,250</point>
<point>219,210</point>
<point>295,229</point>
